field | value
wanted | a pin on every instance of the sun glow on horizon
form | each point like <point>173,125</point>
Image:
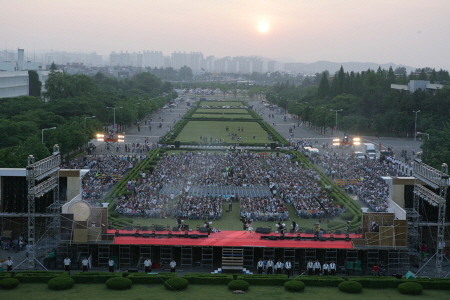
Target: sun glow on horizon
<point>263,26</point>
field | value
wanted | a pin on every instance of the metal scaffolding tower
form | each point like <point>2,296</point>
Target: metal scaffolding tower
<point>439,181</point>
<point>42,177</point>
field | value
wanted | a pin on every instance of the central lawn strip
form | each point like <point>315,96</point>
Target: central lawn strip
<point>222,103</point>
<point>222,116</point>
<point>217,130</point>
<point>222,110</point>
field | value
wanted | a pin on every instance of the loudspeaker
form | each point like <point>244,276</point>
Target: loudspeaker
<point>159,228</point>
<point>177,144</point>
<point>273,146</point>
<point>273,237</point>
<point>265,230</point>
<point>146,235</point>
<point>322,239</point>
<point>203,229</point>
<point>259,230</point>
<point>194,236</point>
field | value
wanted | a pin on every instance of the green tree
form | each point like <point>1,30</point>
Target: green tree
<point>423,75</point>
<point>324,86</point>
<point>35,84</point>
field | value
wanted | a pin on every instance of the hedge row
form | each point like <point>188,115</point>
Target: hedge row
<point>142,278</point>
<point>224,279</point>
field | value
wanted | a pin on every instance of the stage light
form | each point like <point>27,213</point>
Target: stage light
<point>117,232</point>
<point>169,234</point>
<point>299,236</point>
<point>331,237</point>
<point>153,233</point>
<point>136,233</point>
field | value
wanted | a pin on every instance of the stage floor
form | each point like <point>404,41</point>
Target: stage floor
<point>232,239</point>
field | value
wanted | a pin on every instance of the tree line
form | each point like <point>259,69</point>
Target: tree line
<point>77,106</point>
<point>366,105</point>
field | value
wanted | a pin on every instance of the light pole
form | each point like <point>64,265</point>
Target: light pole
<point>114,108</point>
<point>43,132</point>
<point>87,118</point>
<point>422,133</point>
<point>415,124</point>
<point>336,110</point>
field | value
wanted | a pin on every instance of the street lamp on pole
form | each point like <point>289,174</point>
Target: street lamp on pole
<point>43,132</point>
<point>336,110</point>
<point>114,108</point>
<point>87,118</point>
<point>415,124</point>
<point>422,133</point>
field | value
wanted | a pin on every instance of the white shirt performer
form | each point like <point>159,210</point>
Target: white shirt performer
<point>310,267</point>
<point>317,268</point>
<point>9,264</point>
<point>67,263</point>
<point>85,264</point>
<point>148,265</point>
<point>325,268</point>
<point>111,263</point>
<point>333,268</point>
<point>270,266</point>
<point>288,267</point>
<point>173,264</point>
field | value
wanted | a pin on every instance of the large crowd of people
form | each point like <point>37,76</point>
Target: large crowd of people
<point>104,172</point>
<point>363,176</point>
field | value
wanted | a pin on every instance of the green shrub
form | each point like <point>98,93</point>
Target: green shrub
<point>294,286</point>
<point>347,216</point>
<point>410,288</point>
<point>61,283</point>
<point>238,285</point>
<point>9,283</point>
<point>119,283</point>
<point>176,284</point>
<point>114,214</point>
<point>350,286</point>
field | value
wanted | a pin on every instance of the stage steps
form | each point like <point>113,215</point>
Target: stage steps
<point>232,259</point>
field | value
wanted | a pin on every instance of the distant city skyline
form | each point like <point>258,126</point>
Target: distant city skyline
<point>412,32</point>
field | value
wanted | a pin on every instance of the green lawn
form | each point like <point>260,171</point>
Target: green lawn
<point>222,116</point>
<point>205,292</point>
<point>221,103</point>
<point>194,129</point>
<point>222,110</point>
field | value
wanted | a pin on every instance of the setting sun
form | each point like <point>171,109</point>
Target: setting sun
<point>263,27</point>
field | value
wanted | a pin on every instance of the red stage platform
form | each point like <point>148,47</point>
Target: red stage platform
<point>232,239</point>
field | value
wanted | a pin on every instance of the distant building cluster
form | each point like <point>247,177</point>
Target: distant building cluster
<point>194,60</point>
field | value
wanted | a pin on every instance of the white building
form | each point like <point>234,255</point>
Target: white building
<point>14,84</point>
<point>415,85</point>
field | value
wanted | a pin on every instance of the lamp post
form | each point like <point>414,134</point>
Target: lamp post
<point>43,132</point>
<point>87,118</point>
<point>422,133</point>
<point>114,108</point>
<point>415,124</point>
<point>336,110</point>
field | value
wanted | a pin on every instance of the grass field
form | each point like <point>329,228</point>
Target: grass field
<point>205,292</point>
<point>194,129</point>
<point>222,110</point>
<point>221,103</point>
<point>222,116</point>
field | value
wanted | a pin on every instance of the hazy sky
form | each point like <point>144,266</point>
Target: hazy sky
<point>410,32</point>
